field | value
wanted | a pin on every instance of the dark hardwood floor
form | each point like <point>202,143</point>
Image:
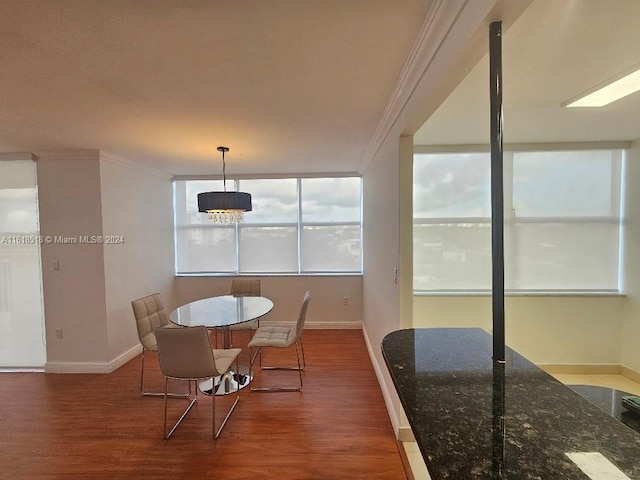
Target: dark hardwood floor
<point>69,426</point>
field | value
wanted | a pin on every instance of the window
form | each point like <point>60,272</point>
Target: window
<point>298,225</point>
<point>562,221</point>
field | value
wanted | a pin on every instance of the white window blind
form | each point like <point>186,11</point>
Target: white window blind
<point>562,221</point>
<point>298,225</point>
<point>22,340</point>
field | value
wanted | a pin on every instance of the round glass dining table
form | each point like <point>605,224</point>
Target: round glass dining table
<point>221,313</point>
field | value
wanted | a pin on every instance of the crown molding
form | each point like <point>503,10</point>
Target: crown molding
<point>16,156</point>
<point>447,39</point>
<point>100,155</point>
<point>433,32</point>
<point>77,154</point>
<point>124,162</point>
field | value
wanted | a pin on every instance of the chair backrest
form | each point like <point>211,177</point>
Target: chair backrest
<point>244,287</point>
<point>185,352</point>
<point>150,314</point>
<point>303,313</point>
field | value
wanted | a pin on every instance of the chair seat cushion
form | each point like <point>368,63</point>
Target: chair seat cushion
<point>273,337</point>
<point>244,325</point>
<point>224,358</point>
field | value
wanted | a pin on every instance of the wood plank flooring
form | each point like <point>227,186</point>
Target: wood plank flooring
<point>69,426</point>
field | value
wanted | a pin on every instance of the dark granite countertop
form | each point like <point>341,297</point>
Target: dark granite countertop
<point>609,400</point>
<point>473,418</point>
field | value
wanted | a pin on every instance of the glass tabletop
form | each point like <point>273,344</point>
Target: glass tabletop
<point>221,311</point>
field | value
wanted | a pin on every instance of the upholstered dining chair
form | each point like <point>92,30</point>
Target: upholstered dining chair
<point>281,337</point>
<point>244,287</point>
<point>150,314</point>
<point>186,354</point>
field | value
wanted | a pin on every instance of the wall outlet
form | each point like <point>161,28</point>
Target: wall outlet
<point>59,333</point>
<point>56,265</point>
<point>345,300</point>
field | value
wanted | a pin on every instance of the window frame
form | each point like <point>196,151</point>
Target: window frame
<point>512,220</point>
<point>299,225</point>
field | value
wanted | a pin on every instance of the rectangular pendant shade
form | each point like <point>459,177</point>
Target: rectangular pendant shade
<point>224,201</point>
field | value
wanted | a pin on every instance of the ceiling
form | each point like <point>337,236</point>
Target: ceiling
<point>556,50</point>
<point>289,86</point>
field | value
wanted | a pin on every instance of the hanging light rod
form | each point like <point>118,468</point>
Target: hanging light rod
<point>224,207</point>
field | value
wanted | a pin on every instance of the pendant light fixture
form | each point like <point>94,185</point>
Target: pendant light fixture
<point>224,207</point>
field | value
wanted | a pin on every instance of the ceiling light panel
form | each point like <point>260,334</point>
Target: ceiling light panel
<point>613,89</point>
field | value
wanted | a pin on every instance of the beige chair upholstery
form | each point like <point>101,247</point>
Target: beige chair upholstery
<point>281,337</point>
<point>186,354</point>
<point>150,314</point>
<point>241,287</point>
<point>244,287</point>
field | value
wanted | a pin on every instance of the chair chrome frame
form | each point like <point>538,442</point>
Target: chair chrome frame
<point>299,328</point>
<point>300,368</point>
<point>185,354</point>
<point>161,319</point>
<point>158,394</point>
<point>216,433</point>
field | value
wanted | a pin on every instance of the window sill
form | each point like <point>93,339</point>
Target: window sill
<point>233,275</point>
<point>523,293</point>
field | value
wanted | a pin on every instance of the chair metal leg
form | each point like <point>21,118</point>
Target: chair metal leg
<point>215,332</point>
<point>158,394</point>
<point>142,374</point>
<point>216,433</point>
<point>300,369</point>
<point>184,414</point>
<point>304,361</point>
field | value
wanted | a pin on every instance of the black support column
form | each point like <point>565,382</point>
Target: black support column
<point>497,189</point>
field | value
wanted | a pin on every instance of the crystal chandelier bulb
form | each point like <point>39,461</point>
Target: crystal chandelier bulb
<point>226,217</point>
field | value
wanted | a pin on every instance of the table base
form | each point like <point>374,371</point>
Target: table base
<point>228,383</point>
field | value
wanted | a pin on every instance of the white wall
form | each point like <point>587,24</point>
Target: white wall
<point>88,193</point>
<point>69,204</point>
<point>326,309</point>
<point>381,239</point>
<point>137,205</point>
<point>631,323</point>
<point>405,225</point>
<point>453,38</point>
<point>555,330</point>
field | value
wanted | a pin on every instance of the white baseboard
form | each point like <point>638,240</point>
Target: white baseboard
<point>125,357</point>
<point>93,367</point>
<point>591,369</point>
<point>393,415</point>
<point>630,374</point>
<point>582,369</point>
<point>320,325</point>
<point>21,370</point>
<point>405,434</point>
